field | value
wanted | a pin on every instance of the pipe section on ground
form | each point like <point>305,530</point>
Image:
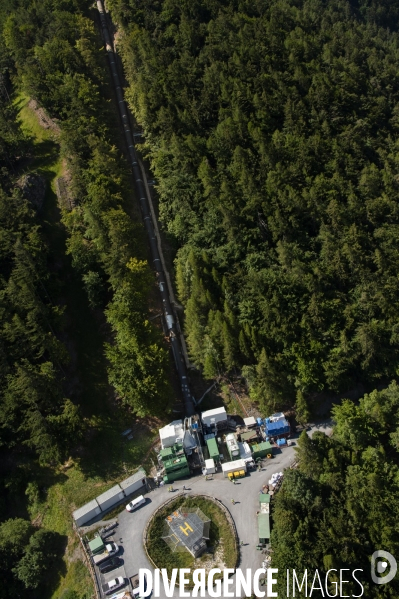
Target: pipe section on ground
<point>145,209</point>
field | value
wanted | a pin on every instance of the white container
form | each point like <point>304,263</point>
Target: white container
<point>215,416</point>
<point>171,433</point>
<point>110,497</point>
<point>86,512</point>
<point>232,446</point>
<point>245,452</point>
<point>250,422</point>
<point>235,466</point>
<point>134,482</point>
<point>210,466</point>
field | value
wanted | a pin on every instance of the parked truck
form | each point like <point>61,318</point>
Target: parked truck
<point>100,551</point>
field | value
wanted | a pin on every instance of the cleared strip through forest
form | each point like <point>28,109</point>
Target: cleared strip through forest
<point>149,225</point>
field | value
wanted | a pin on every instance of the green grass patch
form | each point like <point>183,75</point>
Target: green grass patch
<point>221,533</point>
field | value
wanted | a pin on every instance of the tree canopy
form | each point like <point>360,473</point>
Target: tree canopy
<point>271,128</point>
<point>341,504</point>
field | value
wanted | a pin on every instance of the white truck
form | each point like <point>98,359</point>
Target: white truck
<point>110,550</point>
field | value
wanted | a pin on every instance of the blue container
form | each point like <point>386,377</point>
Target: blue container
<point>259,421</point>
<point>281,442</point>
<point>277,428</point>
<point>267,420</point>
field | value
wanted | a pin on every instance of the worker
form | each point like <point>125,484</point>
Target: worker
<point>242,543</point>
<point>184,487</point>
<point>233,502</point>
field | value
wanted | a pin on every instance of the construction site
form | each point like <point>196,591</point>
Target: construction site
<point>216,442</point>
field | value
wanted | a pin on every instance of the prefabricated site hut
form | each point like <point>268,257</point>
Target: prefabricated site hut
<point>110,497</point>
<point>86,513</point>
<point>134,483</point>
<point>216,417</point>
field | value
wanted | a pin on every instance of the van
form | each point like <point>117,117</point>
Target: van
<point>133,505</point>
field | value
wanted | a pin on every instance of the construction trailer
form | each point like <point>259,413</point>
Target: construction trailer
<point>264,518</point>
<point>134,483</point>
<point>236,469</point>
<point>232,446</point>
<point>261,450</point>
<point>216,418</point>
<point>213,449</point>
<point>86,513</point>
<point>110,497</point>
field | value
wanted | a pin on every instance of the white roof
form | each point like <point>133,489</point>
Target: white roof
<point>214,412</point>
<point>250,421</point>
<point>277,416</point>
<point>132,479</point>
<point>85,509</point>
<point>245,451</point>
<point>210,463</point>
<point>167,431</point>
<point>173,429</point>
<point>236,465</point>
<point>231,442</point>
<point>112,492</point>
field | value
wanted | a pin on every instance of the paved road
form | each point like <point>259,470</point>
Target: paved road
<point>131,525</point>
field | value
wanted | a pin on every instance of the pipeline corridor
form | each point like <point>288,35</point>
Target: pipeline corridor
<point>145,209</point>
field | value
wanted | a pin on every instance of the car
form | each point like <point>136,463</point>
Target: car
<point>111,564</point>
<point>114,585</point>
<point>133,505</point>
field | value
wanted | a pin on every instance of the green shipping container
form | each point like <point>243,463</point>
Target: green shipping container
<point>175,464</point>
<point>261,450</point>
<point>172,476</point>
<point>213,449</point>
<point>263,528</point>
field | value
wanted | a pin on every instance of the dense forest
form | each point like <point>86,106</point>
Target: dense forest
<point>341,504</point>
<point>51,51</point>
<point>34,413</point>
<point>54,50</point>
<point>271,128</point>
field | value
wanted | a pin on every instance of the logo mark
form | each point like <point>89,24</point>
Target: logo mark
<point>378,567</point>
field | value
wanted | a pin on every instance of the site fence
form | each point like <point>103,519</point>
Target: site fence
<point>214,500</point>
<point>89,563</point>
